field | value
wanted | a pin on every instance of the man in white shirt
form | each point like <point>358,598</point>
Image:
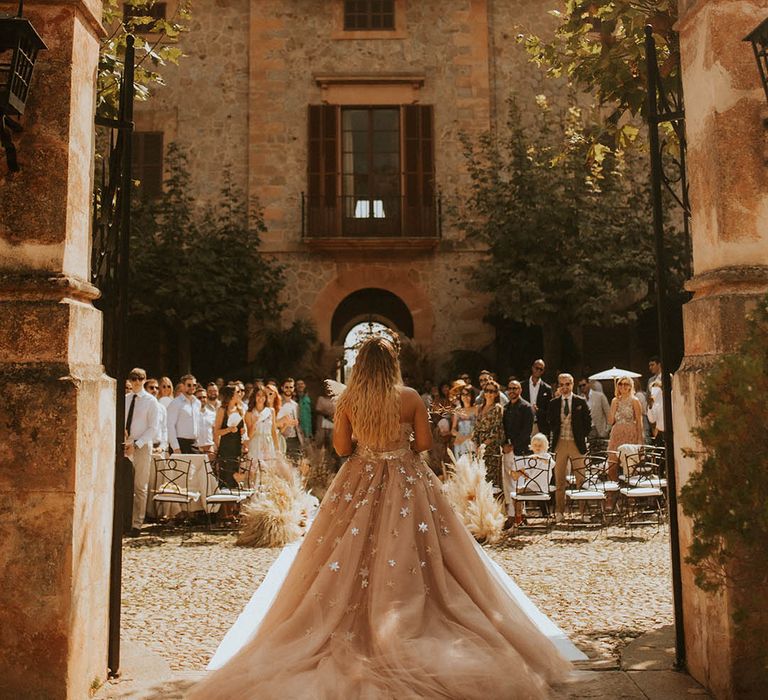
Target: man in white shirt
<point>656,413</point>
<point>141,427</point>
<point>599,408</point>
<point>209,403</point>
<point>183,418</point>
<point>654,367</point>
<point>288,421</point>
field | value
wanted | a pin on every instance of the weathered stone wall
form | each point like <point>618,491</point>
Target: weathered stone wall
<point>58,409</point>
<point>729,201</point>
<point>264,56</point>
<point>204,104</point>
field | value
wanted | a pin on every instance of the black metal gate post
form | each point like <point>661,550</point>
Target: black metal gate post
<point>110,273</point>
<point>662,110</point>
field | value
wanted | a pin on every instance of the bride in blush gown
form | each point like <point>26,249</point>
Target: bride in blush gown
<point>389,596</point>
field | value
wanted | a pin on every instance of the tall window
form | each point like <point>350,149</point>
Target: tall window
<point>370,141</point>
<point>371,171</point>
<point>156,11</point>
<point>362,15</point>
<point>147,163</point>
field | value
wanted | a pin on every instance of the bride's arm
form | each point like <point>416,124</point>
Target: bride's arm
<point>422,434</point>
<point>342,434</point>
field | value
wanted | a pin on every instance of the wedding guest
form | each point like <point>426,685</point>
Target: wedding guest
<point>325,407</point>
<point>521,476</point>
<point>440,411</point>
<point>518,421</point>
<point>489,431</point>
<point>426,393</point>
<point>127,387</point>
<point>483,378</point>
<point>656,414</point>
<point>160,446</point>
<point>305,408</point>
<point>654,367</point>
<point>209,404</point>
<point>569,420</point>
<point>626,420</point>
<point>641,396</point>
<point>165,393</point>
<point>229,434</point>
<point>183,417</point>
<point>463,424</point>
<point>261,422</point>
<point>599,409</point>
<point>539,394</point>
<point>219,381</point>
<point>141,428</point>
<point>288,420</point>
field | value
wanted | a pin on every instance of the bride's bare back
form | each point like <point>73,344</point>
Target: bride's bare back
<point>412,413</point>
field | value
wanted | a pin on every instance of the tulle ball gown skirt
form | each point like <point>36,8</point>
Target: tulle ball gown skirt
<point>389,597</point>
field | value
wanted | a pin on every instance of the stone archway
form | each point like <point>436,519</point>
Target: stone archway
<point>360,292</point>
<point>370,304</point>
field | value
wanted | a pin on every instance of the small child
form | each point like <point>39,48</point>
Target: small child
<point>536,479</point>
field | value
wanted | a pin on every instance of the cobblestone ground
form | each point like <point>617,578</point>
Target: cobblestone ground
<point>603,587</point>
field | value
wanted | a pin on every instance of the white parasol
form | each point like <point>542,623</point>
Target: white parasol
<point>615,373</point>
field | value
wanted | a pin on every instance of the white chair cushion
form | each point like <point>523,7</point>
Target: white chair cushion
<point>586,495</point>
<point>533,496</point>
<point>226,498</point>
<point>641,492</point>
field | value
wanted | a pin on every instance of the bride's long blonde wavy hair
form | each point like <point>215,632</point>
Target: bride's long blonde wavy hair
<point>372,397</point>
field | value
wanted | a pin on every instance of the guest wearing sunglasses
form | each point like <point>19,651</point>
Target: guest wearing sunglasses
<point>489,431</point>
<point>183,418</point>
<point>464,418</point>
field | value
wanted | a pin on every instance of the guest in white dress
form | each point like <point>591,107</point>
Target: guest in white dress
<point>262,427</point>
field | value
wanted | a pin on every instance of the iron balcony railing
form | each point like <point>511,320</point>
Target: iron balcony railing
<point>370,217</point>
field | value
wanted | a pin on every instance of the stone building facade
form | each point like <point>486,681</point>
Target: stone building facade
<point>242,98</point>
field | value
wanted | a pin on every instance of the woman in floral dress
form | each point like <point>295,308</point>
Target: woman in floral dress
<point>489,431</point>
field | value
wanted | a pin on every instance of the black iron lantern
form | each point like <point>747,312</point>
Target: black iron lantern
<point>758,37</point>
<point>19,46</point>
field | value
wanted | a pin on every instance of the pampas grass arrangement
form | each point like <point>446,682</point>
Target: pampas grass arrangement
<point>316,470</point>
<point>471,496</point>
<point>278,514</point>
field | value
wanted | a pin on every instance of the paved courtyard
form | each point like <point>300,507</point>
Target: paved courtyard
<point>603,587</point>
<point>608,589</point>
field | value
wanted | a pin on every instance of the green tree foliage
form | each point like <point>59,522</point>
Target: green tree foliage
<point>599,48</point>
<point>283,350</point>
<point>194,269</point>
<point>155,48</point>
<point>728,498</point>
<point>565,223</point>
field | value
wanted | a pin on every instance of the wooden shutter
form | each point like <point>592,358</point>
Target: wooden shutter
<point>323,211</point>
<point>419,216</point>
<point>147,164</point>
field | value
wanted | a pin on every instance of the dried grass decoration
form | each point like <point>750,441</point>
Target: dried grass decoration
<point>471,496</point>
<point>316,469</point>
<point>278,514</point>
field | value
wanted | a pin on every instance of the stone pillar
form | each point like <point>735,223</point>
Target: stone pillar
<point>57,409</point>
<point>724,104</point>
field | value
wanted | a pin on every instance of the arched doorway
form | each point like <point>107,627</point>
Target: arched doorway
<point>371,304</point>
<point>356,336</point>
<point>366,313</point>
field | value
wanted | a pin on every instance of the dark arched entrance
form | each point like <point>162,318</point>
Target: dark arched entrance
<point>371,304</point>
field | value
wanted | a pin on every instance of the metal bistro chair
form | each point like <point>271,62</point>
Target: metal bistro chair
<point>533,486</point>
<point>232,482</point>
<point>590,483</point>
<point>643,484</point>
<point>173,476</point>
